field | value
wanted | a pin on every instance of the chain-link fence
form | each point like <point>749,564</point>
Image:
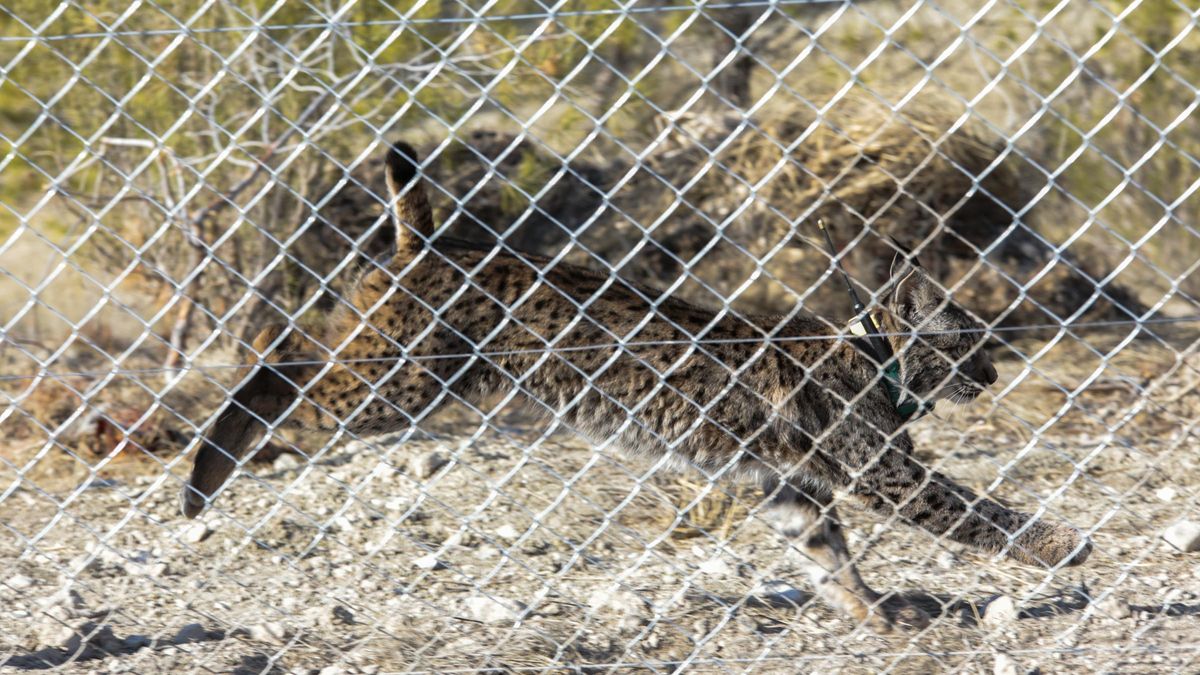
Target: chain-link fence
<point>598,416</point>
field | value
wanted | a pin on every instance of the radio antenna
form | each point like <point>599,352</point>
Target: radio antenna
<point>883,351</point>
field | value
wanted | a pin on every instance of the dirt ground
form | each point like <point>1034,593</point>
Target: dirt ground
<point>530,552</point>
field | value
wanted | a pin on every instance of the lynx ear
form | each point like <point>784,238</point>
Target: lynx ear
<point>914,292</point>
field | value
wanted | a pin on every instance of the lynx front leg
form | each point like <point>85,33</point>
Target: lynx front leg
<point>897,483</point>
<point>809,519</point>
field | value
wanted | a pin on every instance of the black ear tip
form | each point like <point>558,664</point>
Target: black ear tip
<point>402,162</point>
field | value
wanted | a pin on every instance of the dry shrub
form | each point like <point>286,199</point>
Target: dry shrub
<point>731,208</point>
<point>715,513</point>
<point>869,174</point>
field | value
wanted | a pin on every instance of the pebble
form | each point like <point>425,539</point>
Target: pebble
<point>193,632</point>
<point>67,597</point>
<point>152,570</point>
<point>19,582</point>
<point>423,466</point>
<point>507,531</point>
<point>1166,494</point>
<point>616,600</point>
<point>1184,536</point>
<point>1004,665</point>
<point>494,609</point>
<point>286,462</point>
<point>778,592</point>
<point>716,567</point>
<point>1000,610</point>
<point>195,533</point>
<point>1115,607</point>
<point>55,634</point>
<point>428,562</point>
<point>946,560</point>
<point>340,615</point>
<point>271,632</point>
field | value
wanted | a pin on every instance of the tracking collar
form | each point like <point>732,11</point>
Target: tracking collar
<point>870,341</point>
<point>906,406</point>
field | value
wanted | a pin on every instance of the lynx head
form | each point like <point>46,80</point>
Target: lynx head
<point>939,344</point>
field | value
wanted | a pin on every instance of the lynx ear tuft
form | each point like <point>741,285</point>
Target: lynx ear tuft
<point>410,208</point>
<point>401,165</point>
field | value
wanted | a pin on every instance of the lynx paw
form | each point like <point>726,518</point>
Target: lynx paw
<point>1050,545</point>
<point>908,616</point>
<point>895,614</point>
<point>191,502</point>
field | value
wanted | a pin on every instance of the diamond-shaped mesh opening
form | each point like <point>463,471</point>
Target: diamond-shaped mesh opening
<point>605,412</point>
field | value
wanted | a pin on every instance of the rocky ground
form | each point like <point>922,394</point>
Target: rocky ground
<point>522,552</point>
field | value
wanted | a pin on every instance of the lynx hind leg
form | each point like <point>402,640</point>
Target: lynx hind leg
<point>809,519</point>
<point>264,397</point>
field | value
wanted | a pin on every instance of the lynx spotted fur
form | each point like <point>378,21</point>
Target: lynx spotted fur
<point>804,417</point>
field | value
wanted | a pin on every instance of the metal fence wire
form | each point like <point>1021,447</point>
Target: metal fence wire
<point>600,402</point>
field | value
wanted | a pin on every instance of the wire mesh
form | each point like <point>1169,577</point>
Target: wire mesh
<point>665,479</point>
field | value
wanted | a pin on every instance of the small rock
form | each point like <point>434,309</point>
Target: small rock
<point>195,533</point>
<point>56,634</point>
<point>342,615</point>
<point>946,560</point>
<point>193,632</point>
<point>507,531</point>
<point>1000,610</point>
<point>615,600</point>
<point>1166,494</point>
<point>103,639</point>
<point>493,609</point>
<point>778,592</point>
<point>1184,536</point>
<point>19,582</point>
<point>1004,665</point>
<point>67,598</point>
<point>286,462</point>
<point>1115,607</point>
<point>428,562</point>
<point>270,632</point>
<point>152,570</point>
<point>716,567</point>
<point>61,613</point>
<point>425,465</point>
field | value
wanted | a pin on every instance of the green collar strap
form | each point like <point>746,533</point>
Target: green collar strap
<point>906,406</point>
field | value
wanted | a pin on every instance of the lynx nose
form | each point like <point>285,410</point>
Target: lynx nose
<point>989,374</point>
